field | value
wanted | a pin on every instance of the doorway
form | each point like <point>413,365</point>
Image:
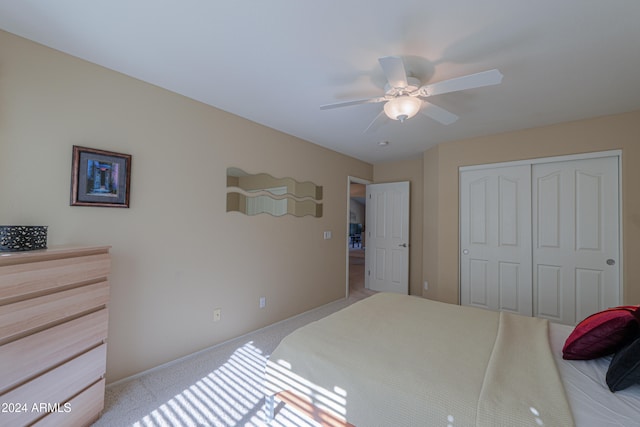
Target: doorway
<point>384,209</point>
<point>356,244</point>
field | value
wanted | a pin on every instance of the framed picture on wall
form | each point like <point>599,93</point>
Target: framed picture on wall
<point>100,178</point>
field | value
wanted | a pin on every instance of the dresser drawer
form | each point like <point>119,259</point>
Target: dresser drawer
<point>82,410</point>
<point>20,281</point>
<point>25,358</point>
<point>28,316</point>
<point>57,386</point>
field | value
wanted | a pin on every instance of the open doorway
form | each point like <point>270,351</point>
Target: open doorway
<point>356,242</point>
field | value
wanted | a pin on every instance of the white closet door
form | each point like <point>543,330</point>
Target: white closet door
<point>575,238</point>
<point>495,238</point>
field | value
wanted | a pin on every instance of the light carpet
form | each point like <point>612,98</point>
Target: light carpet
<point>219,386</point>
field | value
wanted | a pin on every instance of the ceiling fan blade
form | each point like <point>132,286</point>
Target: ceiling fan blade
<point>380,119</point>
<point>484,78</point>
<point>356,102</point>
<point>393,69</point>
<point>437,113</point>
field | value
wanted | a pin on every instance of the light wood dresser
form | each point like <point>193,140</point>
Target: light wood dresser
<point>53,332</point>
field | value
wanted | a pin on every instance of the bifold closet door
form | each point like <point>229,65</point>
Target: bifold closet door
<point>495,238</point>
<point>575,238</point>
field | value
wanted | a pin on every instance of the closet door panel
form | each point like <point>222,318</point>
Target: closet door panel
<point>575,226</point>
<point>495,206</point>
<point>589,224</point>
<point>507,211</point>
<point>553,216</point>
<point>479,283</point>
<point>548,208</point>
<point>589,292</point>
<point>478,219</point>
<point>549,292</point>
<point>510,287</point>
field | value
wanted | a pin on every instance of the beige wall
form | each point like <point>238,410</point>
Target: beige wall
<point>408,170</point>
<point>177,255</point>
<point>441,189</point>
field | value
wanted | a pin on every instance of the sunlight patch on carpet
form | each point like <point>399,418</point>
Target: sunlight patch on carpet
<point>232,395</point>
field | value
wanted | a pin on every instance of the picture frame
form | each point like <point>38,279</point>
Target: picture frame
<point>100,178</point>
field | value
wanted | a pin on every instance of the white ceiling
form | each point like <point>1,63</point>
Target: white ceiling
<point>276,62</point>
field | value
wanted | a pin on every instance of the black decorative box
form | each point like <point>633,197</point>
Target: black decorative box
<point>15,238</point>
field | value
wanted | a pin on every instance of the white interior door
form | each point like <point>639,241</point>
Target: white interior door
<point>387,236</point>
<point>576,238</point>
<point>495,238</point>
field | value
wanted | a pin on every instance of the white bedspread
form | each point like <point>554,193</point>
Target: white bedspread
<point>394,360</point>
<point>592,403</point>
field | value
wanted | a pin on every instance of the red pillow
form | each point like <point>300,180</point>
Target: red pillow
<point>603,333</point>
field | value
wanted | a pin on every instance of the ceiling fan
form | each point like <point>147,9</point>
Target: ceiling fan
<point>404,95</point>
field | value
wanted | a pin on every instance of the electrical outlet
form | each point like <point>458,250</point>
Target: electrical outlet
<point>217,313</point>
<point>426,285</point>
<point>263,302</point>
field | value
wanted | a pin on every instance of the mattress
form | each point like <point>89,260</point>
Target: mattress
<point>592,404</point>
<point>399,360</point>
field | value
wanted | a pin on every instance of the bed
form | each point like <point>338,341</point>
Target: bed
<point>397,360</point>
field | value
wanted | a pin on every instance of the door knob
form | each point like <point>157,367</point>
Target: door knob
<point>465,251</point>
<point>611,261</point>
<point>403,245</point>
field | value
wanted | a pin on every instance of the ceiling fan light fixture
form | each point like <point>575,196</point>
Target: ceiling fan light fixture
<point>402,108</point>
